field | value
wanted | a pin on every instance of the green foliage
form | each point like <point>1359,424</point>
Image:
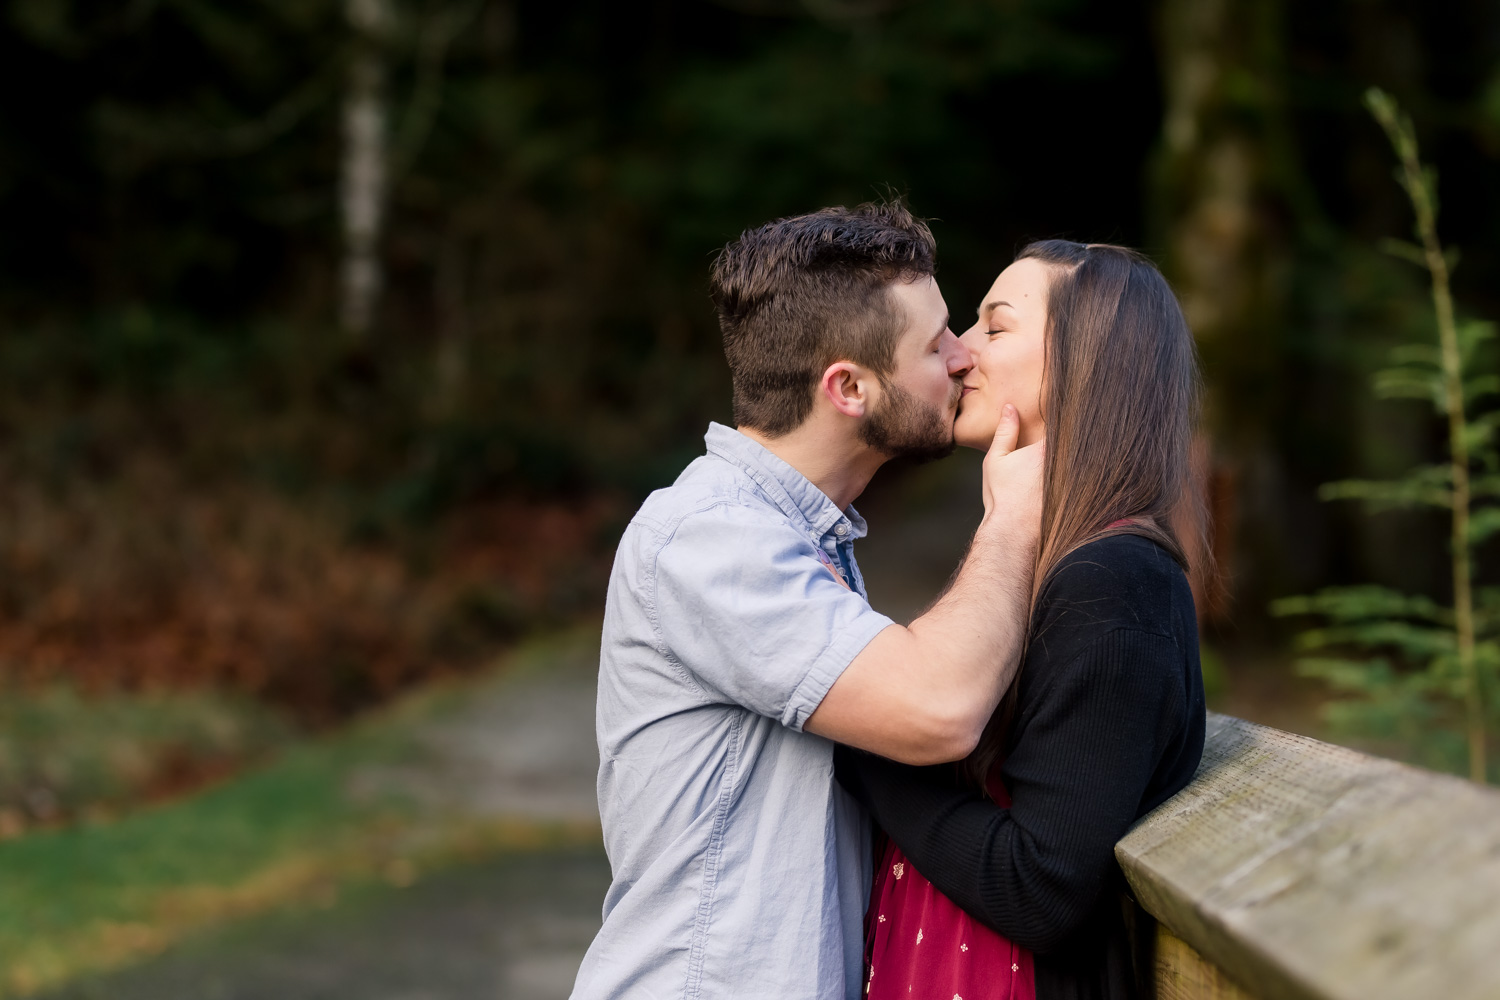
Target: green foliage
<point>1429,485</point>
<point>1413,671</point>
<point>560,178</point>
<point>1215,677</point>
<point>63,755</point>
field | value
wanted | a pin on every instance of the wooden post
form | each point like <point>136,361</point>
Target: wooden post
<point>1306,871</point>
<point>1183,974</point>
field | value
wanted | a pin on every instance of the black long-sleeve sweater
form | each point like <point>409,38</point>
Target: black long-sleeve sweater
<point>1108,724</point>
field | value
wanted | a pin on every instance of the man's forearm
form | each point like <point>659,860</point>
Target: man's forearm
<point>971,638</point>
<point>922,694</point>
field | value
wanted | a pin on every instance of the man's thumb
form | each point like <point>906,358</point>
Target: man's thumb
<point>1008,433</point>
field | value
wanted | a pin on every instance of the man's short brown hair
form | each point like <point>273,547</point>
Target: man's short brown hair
<point>796,295</point>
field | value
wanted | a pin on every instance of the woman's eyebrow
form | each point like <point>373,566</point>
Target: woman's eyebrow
<point>991,306</point>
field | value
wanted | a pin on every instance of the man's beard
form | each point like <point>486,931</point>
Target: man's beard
<point>902,426</point>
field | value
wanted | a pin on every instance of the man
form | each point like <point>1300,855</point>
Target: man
<point>738,643</point>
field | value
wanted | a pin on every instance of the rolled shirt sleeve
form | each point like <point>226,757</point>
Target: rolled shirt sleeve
<point>744,605</point>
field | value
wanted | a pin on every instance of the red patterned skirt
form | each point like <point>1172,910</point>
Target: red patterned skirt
<point>920,946</point>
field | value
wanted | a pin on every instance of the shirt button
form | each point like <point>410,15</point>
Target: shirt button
<point>842,529</point>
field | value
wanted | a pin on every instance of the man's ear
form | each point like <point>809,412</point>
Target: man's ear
<point>847,386</point>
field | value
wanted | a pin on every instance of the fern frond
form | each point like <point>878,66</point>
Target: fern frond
<point>1479,433</point>
<point>1412,383</point>
<point>1415,641</point>
<point>1361,676</point>
<point>1352,604</point>
<point>1409,252</point>
<point>1417,354</point>
<point>1471,334</point>
<point>1428,485</point>
<point>1483,523</point>
<point>1481,386</point>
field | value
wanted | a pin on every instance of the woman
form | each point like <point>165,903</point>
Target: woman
<point>998,879</point>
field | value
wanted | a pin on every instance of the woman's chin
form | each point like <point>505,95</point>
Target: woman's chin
<point>969,433</point>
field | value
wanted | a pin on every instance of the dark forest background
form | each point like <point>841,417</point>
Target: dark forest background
<point>210,479</point>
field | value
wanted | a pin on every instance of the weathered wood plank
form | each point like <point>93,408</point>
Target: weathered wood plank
<point>1312,872</point>
<point>1183,974</point>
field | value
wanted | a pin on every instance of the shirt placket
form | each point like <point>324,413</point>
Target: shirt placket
<point>828,554</point>
<point>839,543</point>
<point>856,580</point>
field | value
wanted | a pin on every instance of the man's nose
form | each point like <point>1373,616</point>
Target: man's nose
<point>959,358</point>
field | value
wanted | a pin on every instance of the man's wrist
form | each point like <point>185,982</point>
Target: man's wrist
<point>1009,540</point>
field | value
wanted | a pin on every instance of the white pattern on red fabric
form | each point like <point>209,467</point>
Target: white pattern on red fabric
<point>985,963</point>
<point>898,869</point>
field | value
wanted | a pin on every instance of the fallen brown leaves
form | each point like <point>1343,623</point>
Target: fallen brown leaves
<point>146,584</point>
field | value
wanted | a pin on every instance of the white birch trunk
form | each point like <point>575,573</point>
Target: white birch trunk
<point>363,176</point>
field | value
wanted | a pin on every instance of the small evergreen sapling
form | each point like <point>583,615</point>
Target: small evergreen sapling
<point>1450,655</point>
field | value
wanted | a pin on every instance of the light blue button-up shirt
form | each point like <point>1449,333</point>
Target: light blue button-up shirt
<point>741,869</point>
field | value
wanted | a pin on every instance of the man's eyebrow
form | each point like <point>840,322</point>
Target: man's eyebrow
<point>990,307</point>
<point>943,326</point>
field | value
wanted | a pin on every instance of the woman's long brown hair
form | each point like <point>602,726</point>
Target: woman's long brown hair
<point>1120,403</point>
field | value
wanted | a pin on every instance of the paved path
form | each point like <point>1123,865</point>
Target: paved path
<point>511,928</point>
<point>522,749</point>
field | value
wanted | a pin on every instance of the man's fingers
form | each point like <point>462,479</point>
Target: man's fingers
<point>1008,432</point>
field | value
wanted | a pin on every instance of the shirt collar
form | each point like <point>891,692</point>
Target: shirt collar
<point>789,489</point>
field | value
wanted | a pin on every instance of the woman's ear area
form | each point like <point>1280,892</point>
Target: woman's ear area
<point>847,386</point>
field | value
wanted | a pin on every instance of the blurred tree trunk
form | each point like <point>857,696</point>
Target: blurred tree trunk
<point>1218,219</point>
<point>363,177</point>
<point>451,285</point>
<point>450,294</point>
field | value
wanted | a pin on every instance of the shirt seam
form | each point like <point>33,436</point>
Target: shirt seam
<point>793,716</point>
<point>707,892</point>
<point>665,533</point>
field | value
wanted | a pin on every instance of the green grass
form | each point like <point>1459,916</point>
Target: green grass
<point>64,755</point>
<point>95,896</point>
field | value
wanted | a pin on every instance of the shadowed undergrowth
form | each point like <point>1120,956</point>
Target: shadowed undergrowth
<point>98,895</point>
<point>66,755</point>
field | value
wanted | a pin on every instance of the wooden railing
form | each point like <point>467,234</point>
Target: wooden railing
<point>1295,870</point>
